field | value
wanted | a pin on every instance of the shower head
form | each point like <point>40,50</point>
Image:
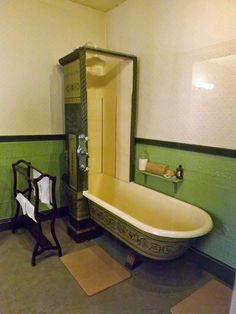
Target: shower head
<point>94,61</point>
<point>96,66</point>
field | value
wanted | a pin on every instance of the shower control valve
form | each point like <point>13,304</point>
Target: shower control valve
<point>82,152</point>
<point>84,168</point>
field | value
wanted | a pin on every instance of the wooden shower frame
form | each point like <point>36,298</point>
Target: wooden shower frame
<point>80,53</point>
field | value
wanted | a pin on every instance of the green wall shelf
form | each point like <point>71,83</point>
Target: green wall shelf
<point>173,180</point>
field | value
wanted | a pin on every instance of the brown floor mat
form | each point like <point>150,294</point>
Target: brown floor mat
<point>213,298</point>
<point>94,269</point>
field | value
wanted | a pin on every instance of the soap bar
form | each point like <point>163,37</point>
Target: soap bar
<point>155,168</point>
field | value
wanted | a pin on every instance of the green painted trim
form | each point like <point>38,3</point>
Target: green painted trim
<point>6,224</point>
<point>77,53</point>
<point>110,52</point>
<point>83,93</point>
<point>83,183</point>
<point>211,265</point>
<point>133,119</point>
<point>27,138</point>
<point>189,147</point>
<point>70,57</point>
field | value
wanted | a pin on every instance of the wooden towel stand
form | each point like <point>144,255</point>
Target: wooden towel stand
<point>42,243</point>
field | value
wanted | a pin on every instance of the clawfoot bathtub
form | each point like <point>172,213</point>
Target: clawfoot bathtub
<point>151,223</point>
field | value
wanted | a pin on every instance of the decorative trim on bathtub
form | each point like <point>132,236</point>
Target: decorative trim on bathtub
<point>149,245</point>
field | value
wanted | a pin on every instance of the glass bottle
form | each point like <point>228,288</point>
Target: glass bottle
<point>179,172</point>
<point>143,159</point>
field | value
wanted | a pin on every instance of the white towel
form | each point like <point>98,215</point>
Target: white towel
<point>27,207</point>
<point>44,186</point>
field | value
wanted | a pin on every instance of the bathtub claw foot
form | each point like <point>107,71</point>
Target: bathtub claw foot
<point>133,259</point>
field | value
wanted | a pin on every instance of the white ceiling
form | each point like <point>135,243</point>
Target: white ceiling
<point>102,5</point>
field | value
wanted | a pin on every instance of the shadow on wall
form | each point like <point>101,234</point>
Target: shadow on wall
<point>219,227</point>
<point>57,111</point>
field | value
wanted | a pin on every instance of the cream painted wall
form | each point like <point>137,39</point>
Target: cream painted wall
<point>34,34</point>
<point>170,37</point>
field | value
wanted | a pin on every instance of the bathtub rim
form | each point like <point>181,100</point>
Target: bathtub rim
<point>207,227</point>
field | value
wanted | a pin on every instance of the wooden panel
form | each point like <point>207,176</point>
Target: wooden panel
<point>72,82</point>
<point>72,147</point>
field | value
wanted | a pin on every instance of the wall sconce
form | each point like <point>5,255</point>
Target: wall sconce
<point>96,65</point>
<point>203,85</point>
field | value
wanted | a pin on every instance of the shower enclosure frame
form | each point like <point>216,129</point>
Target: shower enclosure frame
<point>80,225</point>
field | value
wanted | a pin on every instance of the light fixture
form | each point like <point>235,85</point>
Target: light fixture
<point>95,64</point>
<point>203,85</point>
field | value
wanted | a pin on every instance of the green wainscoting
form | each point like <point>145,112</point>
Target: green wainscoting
<point>47,156</point>
<point>209,183</point>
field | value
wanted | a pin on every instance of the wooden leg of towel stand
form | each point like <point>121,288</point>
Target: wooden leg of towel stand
<point>36,247</point>
<point>14,219</point>
<point>54,235</point>
<point>42,243</point>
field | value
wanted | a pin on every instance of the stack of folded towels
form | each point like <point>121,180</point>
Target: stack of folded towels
<point>155,168</point>
<point>159,169</point>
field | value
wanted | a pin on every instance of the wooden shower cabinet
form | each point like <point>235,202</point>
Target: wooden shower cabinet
<point>76,81</point>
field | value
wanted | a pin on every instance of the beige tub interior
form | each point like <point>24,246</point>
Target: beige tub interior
<point>153,209</point>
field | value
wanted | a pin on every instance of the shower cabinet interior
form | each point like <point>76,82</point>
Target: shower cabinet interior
<point>100,101</point>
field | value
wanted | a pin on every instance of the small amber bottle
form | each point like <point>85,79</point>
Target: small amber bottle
<point>179,172</point>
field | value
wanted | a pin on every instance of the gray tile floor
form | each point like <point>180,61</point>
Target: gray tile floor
<point>49,288</point>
